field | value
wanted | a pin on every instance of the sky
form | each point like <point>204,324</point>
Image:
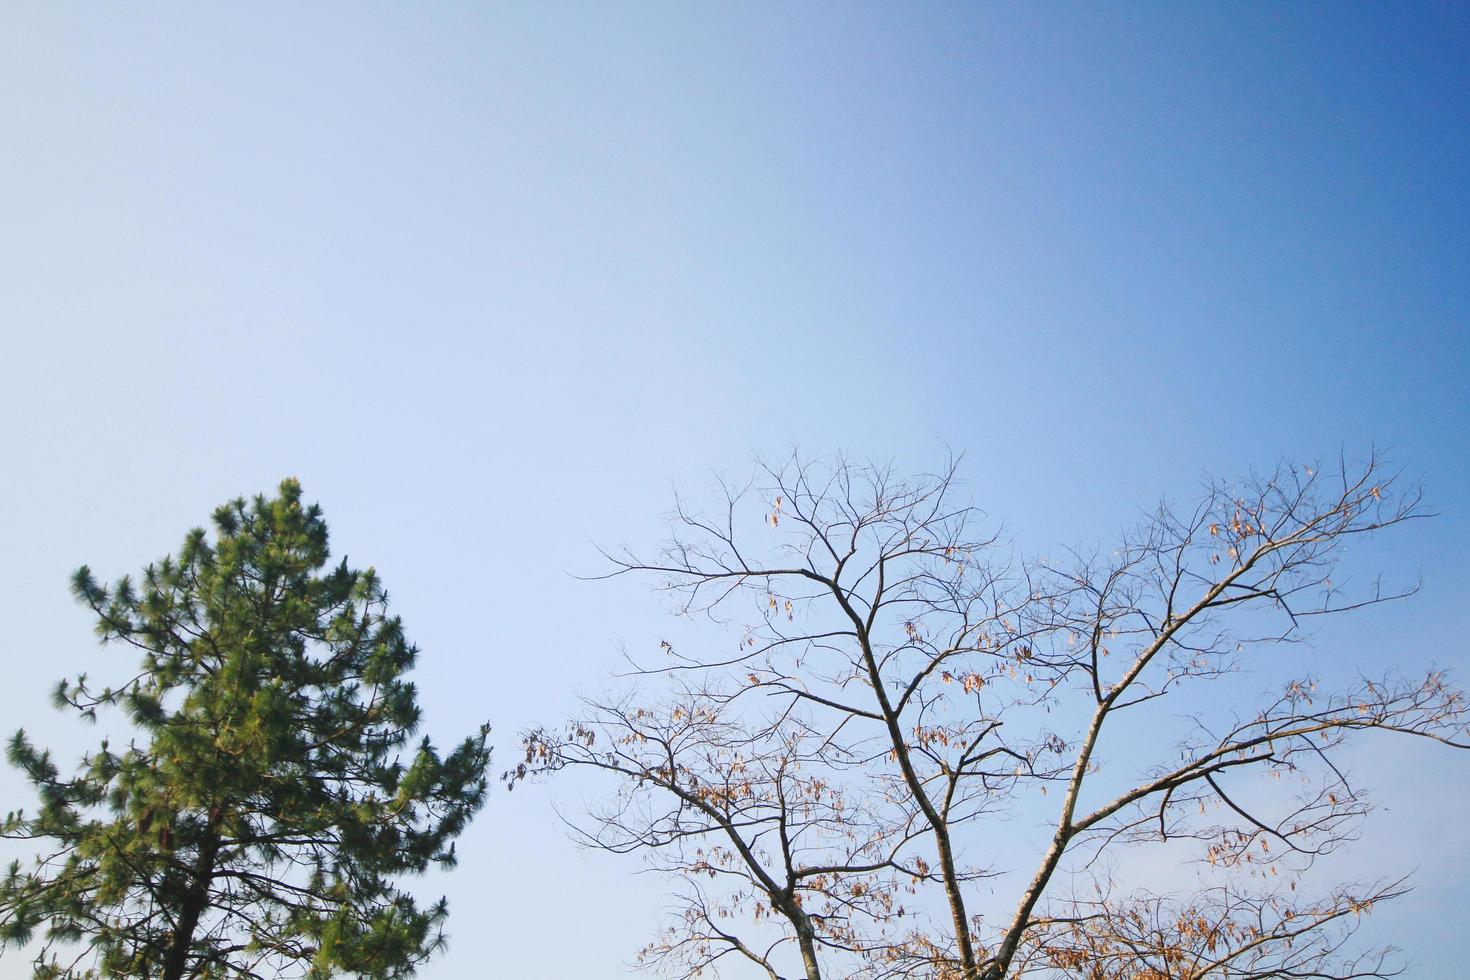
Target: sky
<point>492,280</point>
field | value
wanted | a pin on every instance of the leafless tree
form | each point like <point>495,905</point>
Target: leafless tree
<point>904,677</point>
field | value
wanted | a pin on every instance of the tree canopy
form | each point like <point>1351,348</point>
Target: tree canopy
<point>257,821</point>
<point>837,786</point>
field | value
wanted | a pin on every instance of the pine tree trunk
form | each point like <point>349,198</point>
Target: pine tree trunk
<point>195,901</point>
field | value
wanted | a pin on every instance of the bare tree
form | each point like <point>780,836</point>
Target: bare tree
<point>756,810</point>
<point>904,679</point>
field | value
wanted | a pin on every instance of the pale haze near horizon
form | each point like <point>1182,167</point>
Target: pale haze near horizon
<point>492,282</point>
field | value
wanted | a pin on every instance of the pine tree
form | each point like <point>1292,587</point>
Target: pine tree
<point>257,821</point>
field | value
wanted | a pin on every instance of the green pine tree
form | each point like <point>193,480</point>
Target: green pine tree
<point>255,825</point>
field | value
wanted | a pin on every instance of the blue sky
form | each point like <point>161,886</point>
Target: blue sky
<point>491,280</point>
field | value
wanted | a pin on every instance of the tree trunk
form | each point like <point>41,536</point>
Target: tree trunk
<point>195,901</point>
<point>809,954</point>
